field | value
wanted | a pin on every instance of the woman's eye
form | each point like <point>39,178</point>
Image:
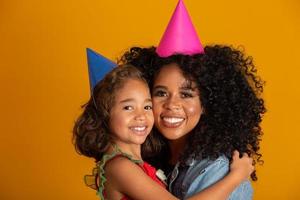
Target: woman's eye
<point>160,93</point>
<point>128,108</point>
<point>148,107</point>
<point>186,95</point>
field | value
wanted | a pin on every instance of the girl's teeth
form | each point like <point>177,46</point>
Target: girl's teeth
<point>172,120</point>
<point>141,128</point>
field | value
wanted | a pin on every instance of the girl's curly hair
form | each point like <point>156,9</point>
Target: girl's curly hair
<point>230,93</point>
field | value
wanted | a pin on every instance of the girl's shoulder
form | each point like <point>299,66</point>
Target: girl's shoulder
<point>115,163</point>
<point>120,164</point>
<point>111,167</point>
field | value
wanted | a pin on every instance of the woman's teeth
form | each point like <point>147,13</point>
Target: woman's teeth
<point>173,120</point>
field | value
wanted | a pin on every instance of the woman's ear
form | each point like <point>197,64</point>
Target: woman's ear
<point>202,110</point>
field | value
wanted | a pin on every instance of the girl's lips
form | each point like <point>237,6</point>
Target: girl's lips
<point>139,130</point>
<point>172,122</point>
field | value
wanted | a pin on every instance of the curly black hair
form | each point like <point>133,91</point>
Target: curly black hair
<point>230,93</point>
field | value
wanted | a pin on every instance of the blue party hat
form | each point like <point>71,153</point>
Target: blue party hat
<point>99,66</point>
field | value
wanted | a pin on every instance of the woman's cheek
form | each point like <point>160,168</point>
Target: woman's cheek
<point>193,109</point>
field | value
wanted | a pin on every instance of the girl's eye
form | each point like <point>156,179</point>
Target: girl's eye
<point>186,95</point>
<point>128,108</point>
<point>148,107</point>
<point>160,93</point>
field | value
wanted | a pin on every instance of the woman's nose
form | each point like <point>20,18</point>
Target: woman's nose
<point>172,103</point>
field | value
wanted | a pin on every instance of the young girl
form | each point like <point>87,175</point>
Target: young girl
<point>115,123</point>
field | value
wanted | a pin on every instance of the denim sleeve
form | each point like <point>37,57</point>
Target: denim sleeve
<point>213,173</point>
<point>243,191</point>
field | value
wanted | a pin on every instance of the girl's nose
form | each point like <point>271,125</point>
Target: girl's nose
<point>140,116</point>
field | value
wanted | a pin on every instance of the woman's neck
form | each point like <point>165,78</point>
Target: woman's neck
<point>176,148</point>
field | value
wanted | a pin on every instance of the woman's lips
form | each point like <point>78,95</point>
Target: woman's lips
<point>172,122</point>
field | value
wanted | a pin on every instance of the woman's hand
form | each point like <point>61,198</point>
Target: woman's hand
<point>241,168</point>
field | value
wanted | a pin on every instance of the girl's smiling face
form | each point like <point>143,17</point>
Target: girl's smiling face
<point>176,103</point>
<point>131,117</point>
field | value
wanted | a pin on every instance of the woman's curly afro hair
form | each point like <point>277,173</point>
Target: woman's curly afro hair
<point>230,94</point>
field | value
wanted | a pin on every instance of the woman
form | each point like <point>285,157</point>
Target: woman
<point>205,106</point>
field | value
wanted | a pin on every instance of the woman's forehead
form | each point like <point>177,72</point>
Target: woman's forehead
<point>173,74</point>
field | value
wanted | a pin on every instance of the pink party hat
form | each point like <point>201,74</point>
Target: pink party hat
<point>180,36</point>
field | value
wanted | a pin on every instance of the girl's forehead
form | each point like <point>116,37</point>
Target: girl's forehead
<point>132,84</point>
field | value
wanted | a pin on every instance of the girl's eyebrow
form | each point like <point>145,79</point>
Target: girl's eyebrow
<point>127,100</point>
<point>131,100</point>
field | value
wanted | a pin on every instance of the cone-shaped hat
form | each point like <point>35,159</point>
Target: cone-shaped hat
<point>99,66</point>
<point>180,36</point>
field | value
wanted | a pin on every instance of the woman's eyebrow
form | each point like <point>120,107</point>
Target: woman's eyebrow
<point>188,88</point>
<point>160,87</point>
<point>188,85</point>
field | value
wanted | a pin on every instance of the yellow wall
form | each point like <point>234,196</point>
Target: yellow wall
<point>44,81</point>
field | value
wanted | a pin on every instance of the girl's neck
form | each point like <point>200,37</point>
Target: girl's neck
<point>130,149</point>
<point>176,148</point>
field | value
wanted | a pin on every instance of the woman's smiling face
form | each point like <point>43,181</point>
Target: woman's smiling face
<point>176,103</point>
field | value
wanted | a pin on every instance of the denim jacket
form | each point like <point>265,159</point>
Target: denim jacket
<point>201,174</point>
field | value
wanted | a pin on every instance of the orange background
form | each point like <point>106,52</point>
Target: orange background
<point>44,81</point>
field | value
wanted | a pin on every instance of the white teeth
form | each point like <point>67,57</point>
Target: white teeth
<point>139,128</point>
<point>173,120</point>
